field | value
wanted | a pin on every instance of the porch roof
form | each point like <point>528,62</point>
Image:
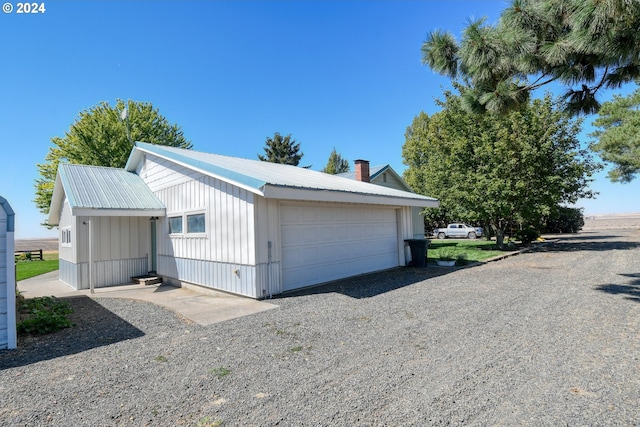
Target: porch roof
<point>102,191</point>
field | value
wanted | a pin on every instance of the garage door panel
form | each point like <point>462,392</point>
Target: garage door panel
<point>320,244</point>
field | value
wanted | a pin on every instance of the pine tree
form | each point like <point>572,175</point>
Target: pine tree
<point>585,45</point>
<point>281,149</point>
<point>336,164</point>
<point>618,136</point>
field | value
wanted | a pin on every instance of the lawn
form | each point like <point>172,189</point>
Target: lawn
<point>474,250</point>
<point>27,269</point>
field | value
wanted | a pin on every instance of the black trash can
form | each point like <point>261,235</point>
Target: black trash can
<point>418,249</point>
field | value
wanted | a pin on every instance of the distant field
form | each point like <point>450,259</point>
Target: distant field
<point>36,244</point>
<point>611,221</point>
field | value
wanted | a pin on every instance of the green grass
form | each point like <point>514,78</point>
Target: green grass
<point>475,250</point>
<point>220,372</point>
<point>27,269</point>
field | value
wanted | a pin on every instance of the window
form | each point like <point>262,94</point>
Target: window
<point>65,236</point>
<point>195,223</point>
<point>175,225</point>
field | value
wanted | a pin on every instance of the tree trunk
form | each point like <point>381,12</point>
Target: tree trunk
<point>500,237</point>
<point>498,228</point>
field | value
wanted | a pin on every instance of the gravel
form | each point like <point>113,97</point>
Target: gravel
<point>546,338</point>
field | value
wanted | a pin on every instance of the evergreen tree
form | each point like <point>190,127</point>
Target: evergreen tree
<point>336,164</point>
<point>281,149</point>
<point>585,45</point>
<point>618,139</point>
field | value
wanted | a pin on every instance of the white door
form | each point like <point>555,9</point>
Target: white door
<point>329,242</point>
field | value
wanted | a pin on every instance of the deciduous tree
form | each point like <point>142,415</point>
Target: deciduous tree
<point>102,136</point>
<point>516,167</point>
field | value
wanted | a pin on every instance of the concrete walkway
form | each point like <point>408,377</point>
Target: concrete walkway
<point>202,308</point>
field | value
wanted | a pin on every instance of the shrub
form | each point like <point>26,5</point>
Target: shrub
<point>447,254</point>
<point>527,235</point>
<point>43,315</point>
<point>565,220</point>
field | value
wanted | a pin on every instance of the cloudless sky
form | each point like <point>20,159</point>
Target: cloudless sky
<point>343,74</point>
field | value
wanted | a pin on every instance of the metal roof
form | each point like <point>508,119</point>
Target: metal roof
<point>373,172</point>
<point>4,204</point>
<point>273,180</point>
<point>102,191</point>
<point>376,171</point>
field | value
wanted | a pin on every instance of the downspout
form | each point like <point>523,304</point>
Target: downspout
<point>269,245</point>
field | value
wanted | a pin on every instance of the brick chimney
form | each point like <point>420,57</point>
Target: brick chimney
<point>362,171</point>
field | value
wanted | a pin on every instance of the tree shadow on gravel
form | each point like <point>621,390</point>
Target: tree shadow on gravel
<point>631,289</point>
<point>590,243</point>
<point>94,326</point>
<point>585,235</point>
<point>372,284</point>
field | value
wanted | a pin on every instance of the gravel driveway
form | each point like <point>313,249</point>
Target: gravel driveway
<point>546,338</point>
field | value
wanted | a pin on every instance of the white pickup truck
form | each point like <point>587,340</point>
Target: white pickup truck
<point>458,230</point>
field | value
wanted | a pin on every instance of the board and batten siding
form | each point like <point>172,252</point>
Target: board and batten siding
<point>8,337</point>
<point>120,249</point>
<point>224,256</point>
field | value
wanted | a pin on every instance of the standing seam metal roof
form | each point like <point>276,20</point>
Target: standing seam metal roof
<point>97,187</point>
<point>256,174</point>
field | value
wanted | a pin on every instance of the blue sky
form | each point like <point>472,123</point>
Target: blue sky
<point>343,74</point>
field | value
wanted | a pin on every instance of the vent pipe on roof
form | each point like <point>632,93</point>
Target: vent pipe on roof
<point>362,171</point>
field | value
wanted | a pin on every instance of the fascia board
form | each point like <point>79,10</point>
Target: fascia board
<point>300,194</point>
<point>117,212</point>
<point>56,201</point>
<point>206,171</point>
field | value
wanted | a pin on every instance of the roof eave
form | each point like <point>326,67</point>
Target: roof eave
<point>56,201</point>
<point>255,186</point>
<point>304,194</point>
<point>117,212</point>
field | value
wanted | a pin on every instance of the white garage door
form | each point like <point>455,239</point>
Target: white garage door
<point>325,243</point>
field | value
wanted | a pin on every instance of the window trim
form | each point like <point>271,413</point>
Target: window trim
<point>204,220</point>
<point>65,237</point>
<point>184,217</point>
<point>175,233</point>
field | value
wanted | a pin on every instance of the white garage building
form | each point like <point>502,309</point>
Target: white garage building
<point>243,226</point>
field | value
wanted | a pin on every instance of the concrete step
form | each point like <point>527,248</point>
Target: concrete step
<point>147,279</point>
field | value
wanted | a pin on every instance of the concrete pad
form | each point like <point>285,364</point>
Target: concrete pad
<point>202,308</point>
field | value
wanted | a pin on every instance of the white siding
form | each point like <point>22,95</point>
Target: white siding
<point>247,250</point>
<point>224,257</point>
<point>7,285</point>
<point>66,251</point>
<point>120,249</point>
<point>114,238</point>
